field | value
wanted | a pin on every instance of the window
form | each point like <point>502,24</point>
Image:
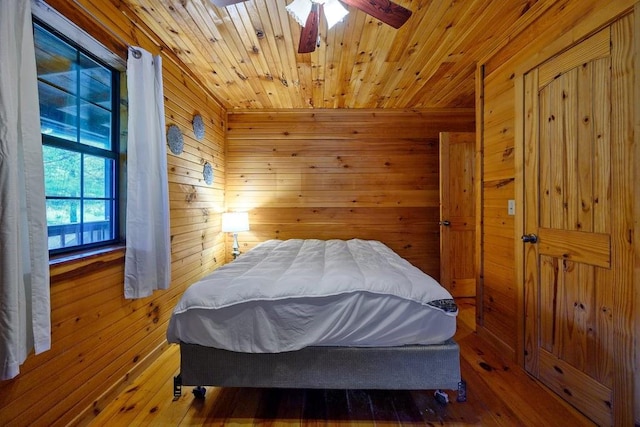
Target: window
<point>79,116</point>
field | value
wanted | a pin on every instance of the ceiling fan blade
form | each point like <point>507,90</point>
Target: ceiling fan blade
<point>309,33</point>
<point>225,3</point>
<point>388,12</point>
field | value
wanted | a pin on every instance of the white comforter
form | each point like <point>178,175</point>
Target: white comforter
<point>286,295</point>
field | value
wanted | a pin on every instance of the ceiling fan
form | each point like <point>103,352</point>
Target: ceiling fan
<point>307,13</point>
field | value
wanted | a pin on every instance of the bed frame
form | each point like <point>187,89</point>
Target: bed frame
<point>412,367</point>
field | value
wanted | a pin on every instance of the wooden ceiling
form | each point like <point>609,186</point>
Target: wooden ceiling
<point>247,53</point>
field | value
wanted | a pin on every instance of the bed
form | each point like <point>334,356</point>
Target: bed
<point>334,314</point>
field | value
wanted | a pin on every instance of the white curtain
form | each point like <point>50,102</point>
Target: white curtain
<point>25,314</point>
<point>148,255</point>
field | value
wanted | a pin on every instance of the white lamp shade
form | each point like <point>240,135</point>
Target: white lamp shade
<point>233,222</point>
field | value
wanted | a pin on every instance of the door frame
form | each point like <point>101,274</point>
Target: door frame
<point>636,209</point>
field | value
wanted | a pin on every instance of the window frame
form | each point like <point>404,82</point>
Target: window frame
<point>118,190</point>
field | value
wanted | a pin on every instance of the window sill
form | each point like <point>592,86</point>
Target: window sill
<point>68,266</point>
<point>65,258</point>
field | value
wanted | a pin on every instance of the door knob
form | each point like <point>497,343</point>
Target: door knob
<point>529,238</point>
<point>445,223</point>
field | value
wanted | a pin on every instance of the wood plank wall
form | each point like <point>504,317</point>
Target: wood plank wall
<point>341,174</point>
<point>558,26</point>
<point>98,337</point>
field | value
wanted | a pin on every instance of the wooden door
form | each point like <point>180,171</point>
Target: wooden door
<point>578,190</point>
<point>457,213</point>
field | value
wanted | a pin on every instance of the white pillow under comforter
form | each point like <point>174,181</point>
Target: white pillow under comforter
<point>286,295</point>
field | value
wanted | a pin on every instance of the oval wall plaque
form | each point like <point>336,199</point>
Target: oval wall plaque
<point>174,137</point>
<point>198,126</point>
<point>207,173</point>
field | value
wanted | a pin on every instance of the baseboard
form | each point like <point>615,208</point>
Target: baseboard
<point>87,415</point>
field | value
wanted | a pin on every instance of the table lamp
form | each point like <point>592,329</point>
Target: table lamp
<point>234,222</point>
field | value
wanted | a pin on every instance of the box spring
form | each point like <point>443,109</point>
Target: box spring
<point>412,367</point>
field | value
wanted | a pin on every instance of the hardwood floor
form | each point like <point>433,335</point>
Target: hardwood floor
<point>499,394</point>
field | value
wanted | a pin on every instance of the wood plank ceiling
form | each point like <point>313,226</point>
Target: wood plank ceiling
<point>247,53</point>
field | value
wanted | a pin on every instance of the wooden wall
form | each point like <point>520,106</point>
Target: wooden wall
<point>341,174</point>
<point>557,25</point>
<point>98,337</point>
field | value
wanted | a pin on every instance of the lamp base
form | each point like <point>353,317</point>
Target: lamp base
<point>236,247</point>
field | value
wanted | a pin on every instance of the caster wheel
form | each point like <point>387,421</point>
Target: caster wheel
<point>441,397</point>
<point>199,392</point>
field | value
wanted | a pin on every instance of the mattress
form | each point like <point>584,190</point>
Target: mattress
<point>285,295</point>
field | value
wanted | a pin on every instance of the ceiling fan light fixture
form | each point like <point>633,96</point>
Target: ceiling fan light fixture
<point>299,10</point>
<point>334,12</point>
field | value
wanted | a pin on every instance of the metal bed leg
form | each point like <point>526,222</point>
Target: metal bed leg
<point>177,387</point>
<point>462,391</point>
